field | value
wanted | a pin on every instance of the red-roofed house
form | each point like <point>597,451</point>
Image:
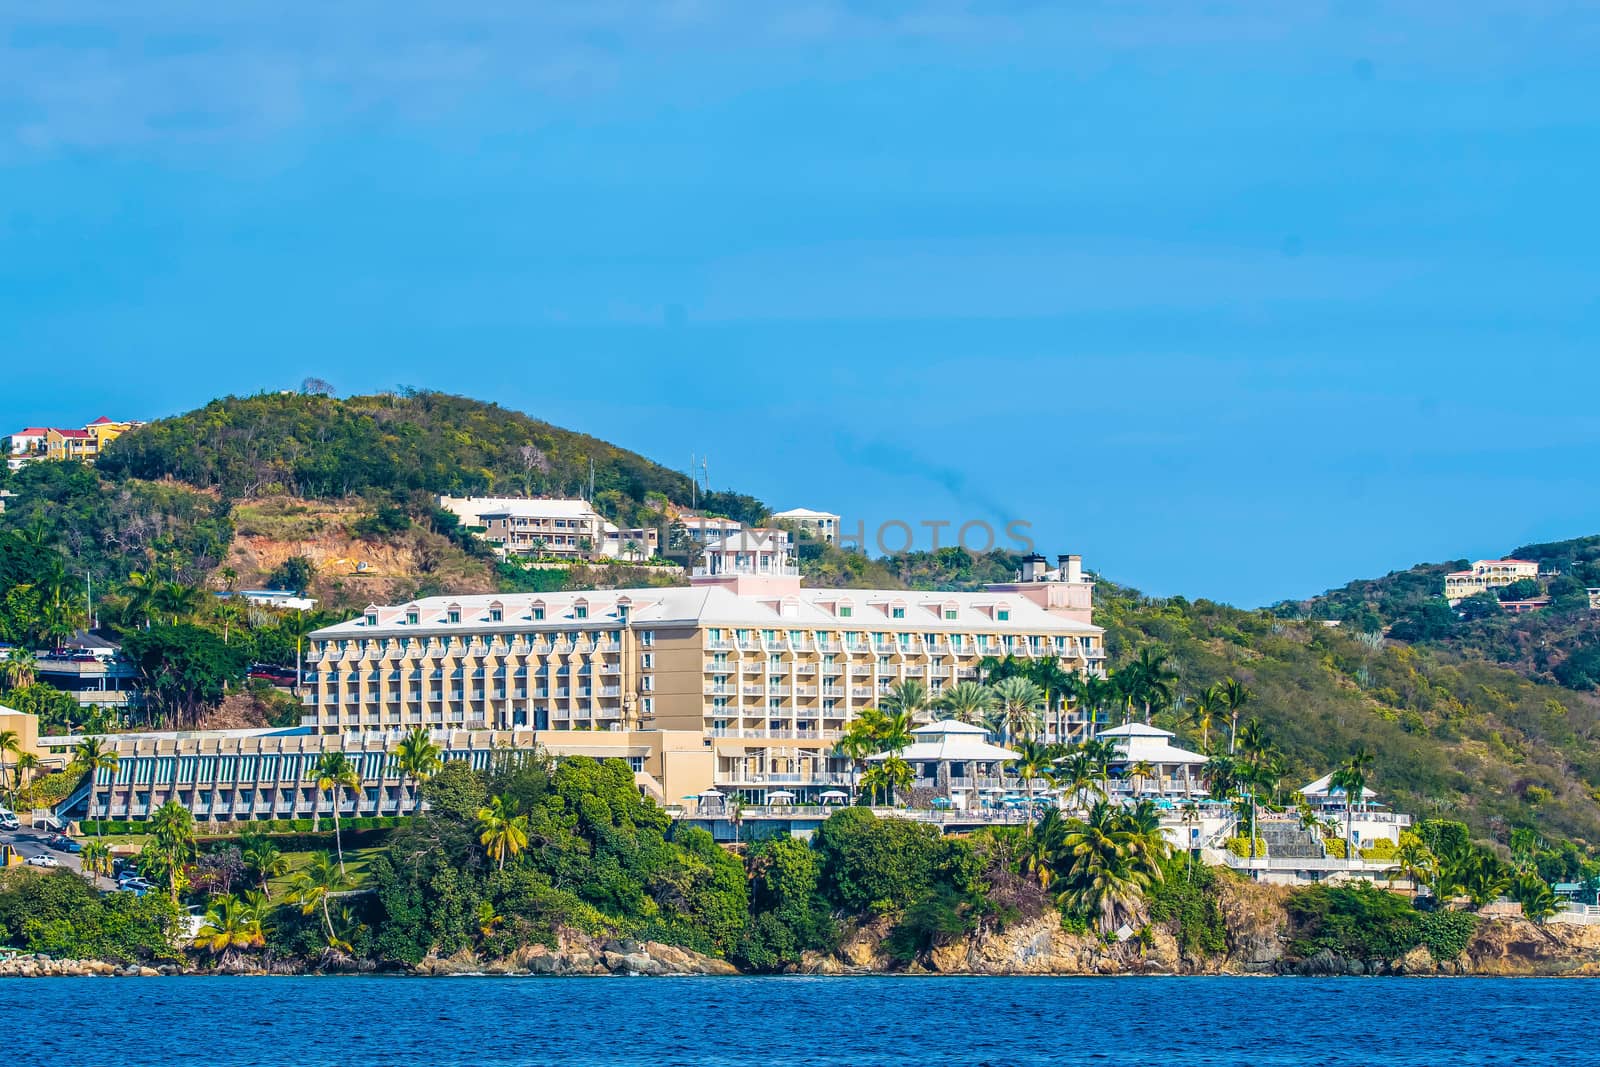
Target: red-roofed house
<point>24,444</point>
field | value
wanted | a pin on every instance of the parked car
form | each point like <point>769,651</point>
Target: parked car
<point>42,860</point>
<point>63,843</point>
<point>9,821</point>
<point>137,886</point>
<point>271,672</point>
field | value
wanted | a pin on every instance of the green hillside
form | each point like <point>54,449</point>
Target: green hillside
<point>318,446</point>
<point>1559,644</point>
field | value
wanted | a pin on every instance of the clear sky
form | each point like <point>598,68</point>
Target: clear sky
<point>1238,299</point>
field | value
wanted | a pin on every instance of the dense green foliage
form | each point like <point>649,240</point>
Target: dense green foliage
<point>322,446</point>
<point>1358,922</point>
<point>62,915</point>
<point>1186,898</point>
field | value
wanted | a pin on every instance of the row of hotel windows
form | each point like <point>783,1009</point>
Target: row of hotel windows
<point>417,674</point>
<point>184,770</point>
<point>598,639</point>
<point>863,639</point>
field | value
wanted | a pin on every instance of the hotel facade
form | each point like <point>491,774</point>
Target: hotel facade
<point>740,681</point>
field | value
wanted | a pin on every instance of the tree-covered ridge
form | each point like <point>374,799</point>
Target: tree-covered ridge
<point>1559,644</point>
<point>313,445</point>
<point>1451,735</point>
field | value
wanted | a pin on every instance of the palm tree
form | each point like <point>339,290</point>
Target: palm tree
<point>1234,697</point>
<point>502,829</point>
<point>231,924</point>
<point>10,745</point>
<point>908,696</point>
<point>1352,778</point>
<point>1203,711</point>
<point>418,757</point>
<point>966,701</point>
<point>266,860</point>
<point>1033,760</point>
<point>26,763</point>
<point>892,731</point>
<point>313,884</point>
<point>1154,680</point>
<point>1102,753</point>
<point>19,669</point>
<point>1078,775</point>
<point>90,757</point>
<point>1139,772</point>
<point>1018,700</point>
<point>1042,847</point>
<point>178,601</point>
<point>1057,685</point>
<point>888,775</point>
<point>855,745</point>
<point>335,773</point>
<point>172,842</point>
<point>96,858</point>
<point>1105,875</point>
<point>143,600</point>
<point>230,613</point>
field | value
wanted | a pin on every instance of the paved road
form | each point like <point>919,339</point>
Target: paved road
<point>31,843</point>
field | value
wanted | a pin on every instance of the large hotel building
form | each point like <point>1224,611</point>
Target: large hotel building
<point>743,680</point>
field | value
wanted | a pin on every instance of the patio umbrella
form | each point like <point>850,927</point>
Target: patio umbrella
<point>941,802</point>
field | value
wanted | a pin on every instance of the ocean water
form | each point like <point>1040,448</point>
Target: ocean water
<point>770,1022</point>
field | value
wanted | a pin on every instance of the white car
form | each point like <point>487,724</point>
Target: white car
<point>43,861</point>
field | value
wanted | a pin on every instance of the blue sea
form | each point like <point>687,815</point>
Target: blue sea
<point>771,1022</point>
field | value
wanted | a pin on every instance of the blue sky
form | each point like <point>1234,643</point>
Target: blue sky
<point>1239,302</point>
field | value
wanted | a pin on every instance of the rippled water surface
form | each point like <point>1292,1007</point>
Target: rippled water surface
<point>1006,1022</point>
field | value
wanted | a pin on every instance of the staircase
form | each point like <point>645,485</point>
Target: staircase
<point>1287,841</point>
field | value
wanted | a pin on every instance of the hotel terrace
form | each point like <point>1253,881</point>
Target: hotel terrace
<point>741,682</point>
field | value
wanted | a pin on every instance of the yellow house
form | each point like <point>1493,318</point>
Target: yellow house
<point>85,444</point>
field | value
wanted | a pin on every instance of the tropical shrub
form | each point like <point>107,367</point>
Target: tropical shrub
<point>1186,899</point>
<point>1446,933</point>
<point>1240,846</point>
<point>1358,922</point>
<point>62,915</point>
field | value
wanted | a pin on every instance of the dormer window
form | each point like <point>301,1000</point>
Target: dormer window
<point>452,614</point>
<point>897,613</point>
<point>1003,614</point>
<point>497,612</point>
<point>413,616</point>
<point>580,611</point>
<point>372,618</point>
<point>538,614</point>
<point>845,611</point>
<point>623,605</point>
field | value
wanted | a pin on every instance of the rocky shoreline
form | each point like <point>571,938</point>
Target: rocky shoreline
<point>1257,944</point>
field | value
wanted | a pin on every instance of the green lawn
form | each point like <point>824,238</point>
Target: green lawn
<point>356,861</point>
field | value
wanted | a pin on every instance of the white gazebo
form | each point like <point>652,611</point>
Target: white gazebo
<point>1139,742</point>
<point>1322,793</point>
<point>950,742</point>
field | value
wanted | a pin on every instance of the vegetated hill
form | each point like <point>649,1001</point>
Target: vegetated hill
<point>1452,735</point>
<point>947,568</point>
<point>312,445</point>
<point>1558,644</point>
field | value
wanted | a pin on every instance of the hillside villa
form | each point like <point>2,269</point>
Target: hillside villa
<point>1487,574</point>
<point>538,526</point>
<point>53,443</point>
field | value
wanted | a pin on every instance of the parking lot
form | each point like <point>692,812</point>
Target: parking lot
<point>32,843</point>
